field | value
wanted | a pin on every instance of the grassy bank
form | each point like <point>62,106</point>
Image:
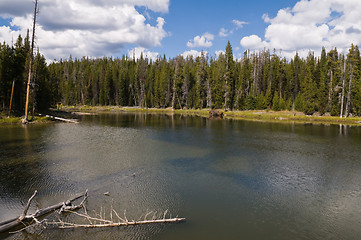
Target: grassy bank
<point>17,120</point>
<point>289,116</point>
<point>6,120</point>
<point>254,115</point>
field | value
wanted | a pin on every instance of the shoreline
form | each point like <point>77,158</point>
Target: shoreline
<point>12,120</point>
<point>250,115</point>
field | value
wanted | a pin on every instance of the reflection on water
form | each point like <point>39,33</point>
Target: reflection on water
<point>230,179</point>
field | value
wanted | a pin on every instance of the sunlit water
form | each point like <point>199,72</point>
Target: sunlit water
<point>230,179</point>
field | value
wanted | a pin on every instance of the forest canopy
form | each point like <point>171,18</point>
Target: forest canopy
<point>329,83</point>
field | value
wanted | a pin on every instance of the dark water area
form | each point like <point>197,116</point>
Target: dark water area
<point>230,179</point>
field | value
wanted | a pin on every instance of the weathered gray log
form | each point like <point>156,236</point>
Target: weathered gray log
<point>60,119</point>
<point>117,224</point>
<point>6,226</point>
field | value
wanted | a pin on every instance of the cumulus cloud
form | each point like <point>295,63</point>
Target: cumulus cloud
<point>219,52</point>
<point>86,27</point>
<point>136,52</point>
<point>201,41</point>
<point>194,53</point>
<point>252,42</point>
<point>309,25</point>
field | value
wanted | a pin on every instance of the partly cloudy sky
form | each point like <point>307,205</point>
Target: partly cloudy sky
<point>98,28</point>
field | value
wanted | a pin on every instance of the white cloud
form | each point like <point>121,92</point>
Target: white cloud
<point>7,35</point>
<point>252,42</point>
<point>136,52</point>
<point>194,53</point>
<point>310,25</point>
<point>223,32</point>
<point>266,18</point>
<point>219,52</point>
<point>201,41</point>
<point>86,27</point>
<point>239,24</point>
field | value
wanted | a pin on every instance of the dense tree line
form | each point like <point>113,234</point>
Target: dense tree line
<point>329,83</point>
<point>14,65</point>
<point>257,81</point>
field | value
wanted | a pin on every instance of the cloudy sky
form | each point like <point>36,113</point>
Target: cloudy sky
<point>98,28</point>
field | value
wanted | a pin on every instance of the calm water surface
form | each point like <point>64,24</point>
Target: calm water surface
<point>230,179</point>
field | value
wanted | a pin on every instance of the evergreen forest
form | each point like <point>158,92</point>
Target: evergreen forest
<point>326,84</point>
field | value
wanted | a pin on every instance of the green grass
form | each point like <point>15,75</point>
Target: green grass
<point>288,116</point>
<point>10,120</point>
<point>5,120</point>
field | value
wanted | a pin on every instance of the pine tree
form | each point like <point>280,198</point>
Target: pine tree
<point>200,84</point>
<point>309,87</point>
<point>43,97</point>
<point>353,104</point>
<point>229,78</point>
<point>276,102</point>
<point>333,74</point>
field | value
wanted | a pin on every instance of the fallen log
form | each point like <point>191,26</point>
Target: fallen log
<point>116,224</point>
<point>23,219</point>
<point>59,118</point>
<point>100,222</point>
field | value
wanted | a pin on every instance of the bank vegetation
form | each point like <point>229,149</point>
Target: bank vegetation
<point>326,85</point>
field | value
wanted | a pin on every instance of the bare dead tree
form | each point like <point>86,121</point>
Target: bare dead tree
<point>348,103</point>
<point>25,120</point>
<point>11,97</point>
<point>343,87</point>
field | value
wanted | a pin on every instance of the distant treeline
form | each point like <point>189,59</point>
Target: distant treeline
<point>329,83</point>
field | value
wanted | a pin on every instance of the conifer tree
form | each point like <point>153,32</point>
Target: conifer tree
<point>229,78</point>
<point>353,104</point>
<point>333,74</point>
<point>309,87</point>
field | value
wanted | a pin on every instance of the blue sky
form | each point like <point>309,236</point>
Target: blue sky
<point>172,27</point>
<point>187,19</point>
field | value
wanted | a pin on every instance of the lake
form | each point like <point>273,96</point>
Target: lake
<point>231,179</point>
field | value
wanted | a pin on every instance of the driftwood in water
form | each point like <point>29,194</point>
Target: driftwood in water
<point>100,221</point>
<point>22,220</point>
<point>118,224</point>
<point>60,119</point>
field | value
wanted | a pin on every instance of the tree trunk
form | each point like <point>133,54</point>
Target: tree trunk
<point>174,90</point>
<point>330,90</point>
<point>209,94</point>
<point>11,98</point>
<point>30,64</point>
<point>343,88</point>
<point>348,104</point>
